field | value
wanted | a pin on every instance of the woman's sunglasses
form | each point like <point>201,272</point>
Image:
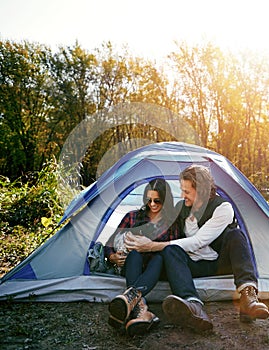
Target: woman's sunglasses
<point>155,200</point>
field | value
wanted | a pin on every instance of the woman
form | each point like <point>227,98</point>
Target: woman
<point>142,270</point>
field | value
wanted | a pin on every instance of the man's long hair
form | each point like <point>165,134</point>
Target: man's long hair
<point>201,180</point>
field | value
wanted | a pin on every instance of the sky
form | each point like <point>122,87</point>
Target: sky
<point>150,28</point>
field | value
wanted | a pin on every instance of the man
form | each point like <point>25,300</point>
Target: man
<point>211,244</point>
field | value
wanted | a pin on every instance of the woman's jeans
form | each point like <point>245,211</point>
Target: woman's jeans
<point>143,270</point>
<point>234,258</point>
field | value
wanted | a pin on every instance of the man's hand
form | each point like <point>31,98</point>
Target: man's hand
<point>141,244</point>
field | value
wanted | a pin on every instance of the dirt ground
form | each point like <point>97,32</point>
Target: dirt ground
<point>83,326</point>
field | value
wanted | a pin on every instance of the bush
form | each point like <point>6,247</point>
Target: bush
<point>30,210</point>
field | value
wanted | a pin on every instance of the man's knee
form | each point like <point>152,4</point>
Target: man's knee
<point>234,239</point>
<point>172,250</point>
<point>235,234</point>
<point>168,249</point>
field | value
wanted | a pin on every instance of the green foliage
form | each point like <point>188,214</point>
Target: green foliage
<point>23,106</point>
<point>45,96</point>
<point>29,212</point>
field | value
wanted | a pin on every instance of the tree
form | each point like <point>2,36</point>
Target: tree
<point>225,97</point>
<point>23,106</point>
<point>72,82</point>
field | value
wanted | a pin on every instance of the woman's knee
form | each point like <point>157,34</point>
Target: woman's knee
<point>133,255</point>
<point>157,258</point>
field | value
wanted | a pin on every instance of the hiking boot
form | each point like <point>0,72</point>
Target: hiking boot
<point>141,320</point>
<point>122,305</point>
<point>250,307</point>
<point>186,313</point>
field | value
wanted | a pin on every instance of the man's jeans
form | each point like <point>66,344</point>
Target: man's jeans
<point>234,258</point>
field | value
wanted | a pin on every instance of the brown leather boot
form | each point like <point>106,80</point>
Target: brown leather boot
<point>250,307</point>
<point>186,313</point>
<point>141,320</point>
<point>122,305</point>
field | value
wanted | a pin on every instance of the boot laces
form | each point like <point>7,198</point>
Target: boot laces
<point>138,310</point>
<point>132,294</point>
<point>250,292</point>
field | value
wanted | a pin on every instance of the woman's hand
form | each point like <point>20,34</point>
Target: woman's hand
<point>118,258</point>
<point>141,244</point>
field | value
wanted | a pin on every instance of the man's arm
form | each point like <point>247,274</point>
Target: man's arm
<point>222,217</point>
<point>142,244</point>
<point>212,229</point>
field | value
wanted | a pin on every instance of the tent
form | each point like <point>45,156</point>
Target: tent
<point>58,270</point>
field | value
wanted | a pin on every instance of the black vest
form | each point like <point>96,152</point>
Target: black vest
<point>202,216</point>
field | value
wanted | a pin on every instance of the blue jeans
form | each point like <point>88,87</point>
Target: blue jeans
<point>234,258</point>
<point>143,270</point>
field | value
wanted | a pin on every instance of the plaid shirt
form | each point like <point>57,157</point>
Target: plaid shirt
<point>135,219</point>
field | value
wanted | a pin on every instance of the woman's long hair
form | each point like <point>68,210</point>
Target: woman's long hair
<point>164,190</point>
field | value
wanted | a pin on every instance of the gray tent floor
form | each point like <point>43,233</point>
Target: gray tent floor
<point>103,287</point>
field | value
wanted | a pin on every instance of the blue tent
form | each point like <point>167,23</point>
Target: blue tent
<point>58,270</point>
